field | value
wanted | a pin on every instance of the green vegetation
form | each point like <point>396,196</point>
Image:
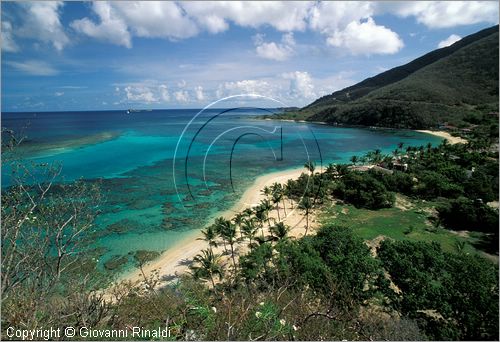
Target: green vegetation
<point>363,190</point>
<point>455,297</point>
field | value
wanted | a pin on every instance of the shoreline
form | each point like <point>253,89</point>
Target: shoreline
<point>441,134</point>
<point>445,135</point>
<point>172,262</point>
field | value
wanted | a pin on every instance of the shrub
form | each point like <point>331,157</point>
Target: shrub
<point>466,214</point>
<point>453,296</point>
<point>363,190</point>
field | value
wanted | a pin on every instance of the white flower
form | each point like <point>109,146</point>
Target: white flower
<point>258,314</point>
<point>282,322</point>
<point>295,327</point>
<point>214,309</point>
<point>261,303</point>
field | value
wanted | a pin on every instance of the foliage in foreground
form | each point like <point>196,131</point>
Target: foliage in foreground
<point>453,297</point>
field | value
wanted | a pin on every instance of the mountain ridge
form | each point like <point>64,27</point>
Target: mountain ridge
<point>444,85</point>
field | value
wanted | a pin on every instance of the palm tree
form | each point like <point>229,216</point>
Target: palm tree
<point>210,236</point>
<point>266,207</point>
<point>377,155</point>
<point>219,227</point>
<point>277,195</point>
<point>248,212</point>
<point>283,195</point>
<point>354,160</point>
<point>266,191</point>
<point>228,233</point>
<point>369,156</point>
<point>261,216</point>
<point>249,229</point>
<point>280,230</point>
<point>330,171</point>
<point>289,191</point>
<point>310,166</point>
<point>280,189</point>
<point>306,205</point>
<point>341,169</point>
<point>238,220</point>
<point>208,266</point>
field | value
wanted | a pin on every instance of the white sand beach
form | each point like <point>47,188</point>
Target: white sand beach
<point>443,134</point>
<point>174,261</point>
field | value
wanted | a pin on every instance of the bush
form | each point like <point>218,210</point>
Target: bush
<point>363,190</point>
<point>397,181</point>
<point>433,184</point>
<point>466,214</point>
<point>347,258</point>
<point>452,296</point>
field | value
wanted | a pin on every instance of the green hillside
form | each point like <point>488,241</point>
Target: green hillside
<point>445,85</point>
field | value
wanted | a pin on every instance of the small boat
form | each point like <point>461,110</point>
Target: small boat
<point>129,111</point>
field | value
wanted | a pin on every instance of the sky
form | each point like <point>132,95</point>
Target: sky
<point>63,56</point>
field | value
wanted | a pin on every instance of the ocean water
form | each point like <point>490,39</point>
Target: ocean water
<point>165,173</point>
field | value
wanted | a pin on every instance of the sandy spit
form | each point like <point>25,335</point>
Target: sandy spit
<point>445,135</point>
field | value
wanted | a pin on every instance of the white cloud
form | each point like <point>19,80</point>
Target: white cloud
<point>181,83</point>
<point>366,38</point>
<point>301,85</point>
<point>330,16</point>
<point>59,93</point>
<point>181,96</point>
<point>449,41</point>
<point>198,91</point>
<point>349,25</point>
<point>275,51</point>
<point>294,88</point>
<point>151,91</point>
<point>156,19</point>
<point>118,22</point>
<point>442,14</point>
<point>111,27</point>
<point>8,43</point>
<point>151,19</point>
<point>258,87</point>
<point>164,95</point>
<point>41,21</point>
<point>34,67</point>
<point>141,94</point>
<point>166,19</point>
<point>282,15</point>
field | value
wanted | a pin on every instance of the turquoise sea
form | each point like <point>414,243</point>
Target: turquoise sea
<point>166,173</point>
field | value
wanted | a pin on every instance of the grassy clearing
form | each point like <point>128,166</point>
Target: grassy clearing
<point>411,223</point>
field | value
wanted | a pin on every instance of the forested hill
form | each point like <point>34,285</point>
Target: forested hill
<point>445,85</point>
